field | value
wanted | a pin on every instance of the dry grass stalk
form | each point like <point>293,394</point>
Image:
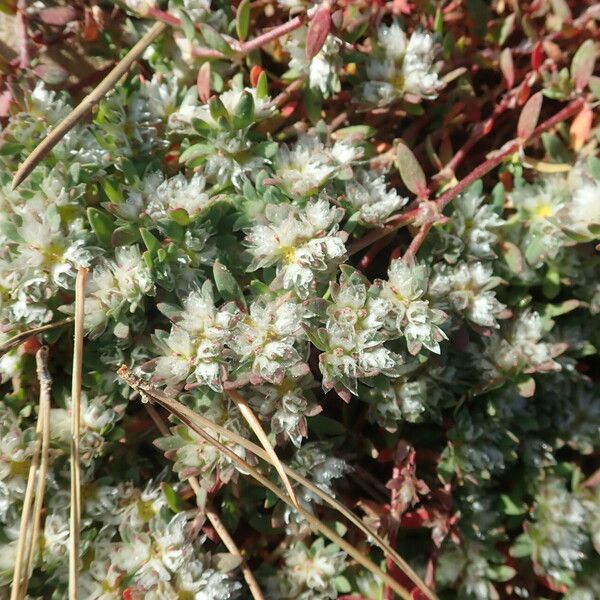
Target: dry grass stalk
<point>21,337</point>
<point>213,516</point>
<point>27,535</point>
<point>314,522</point>
<point>254,423</point>
<point>184,413</point>
<point>45,393</point>
<point>86,105</point>
<point>75,515</point>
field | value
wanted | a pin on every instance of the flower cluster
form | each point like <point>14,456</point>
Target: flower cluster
<point>276,211</point>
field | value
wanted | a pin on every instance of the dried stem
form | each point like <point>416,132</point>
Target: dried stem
<point>174,406</point>
<point>312,520</point>
<point>75,515</point>
<point>254,423</point>
<point>24,335</point>
<point>86,105</point>
<point>21,570</point>
<point>45,381</point>
<point>212,515</point>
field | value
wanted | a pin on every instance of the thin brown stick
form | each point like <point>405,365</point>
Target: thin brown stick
<point>75,515</point>
<point>255,425</point>
<point>20,573</point>
<point>20,337</point>
<point>174,406</point>
<point>312,520</point>
<point>212,515</point>
<point>45,381</point>
<point>86,105</point>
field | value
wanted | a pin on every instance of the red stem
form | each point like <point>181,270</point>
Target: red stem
<point>509,148</point>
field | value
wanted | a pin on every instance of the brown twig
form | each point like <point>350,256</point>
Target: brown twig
<point>213,516</point>
<point>24,335</point>
<point>173,405</point>
<point>75,513</point>
<point>86,105</point>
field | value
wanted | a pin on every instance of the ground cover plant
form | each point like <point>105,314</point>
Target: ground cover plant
<point>301,302</point>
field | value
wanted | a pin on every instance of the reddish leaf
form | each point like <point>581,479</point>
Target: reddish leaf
<point>5,100</point>
<point>523,95</point>
<point>288,109</point>
<point>318,30</point>
<point>255,72</point>
<point>58,15</point>
<point>507,67</point>
<point>537,56</point>
<point>581,128</point>
<point>402,7</point>
<point>529,116</point>
<point>411,171</point>
<point>203,82</point>
<point>90,27</point>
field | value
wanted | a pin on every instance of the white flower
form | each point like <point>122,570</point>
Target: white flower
<point>467,289</point>
<point>301,243</point>
<point>397,68</point>
<point>368,193</point>
<point>411,315</point>
<point>265,339</point>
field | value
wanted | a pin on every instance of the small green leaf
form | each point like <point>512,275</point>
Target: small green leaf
<point>227,285</point>
<point>262,86</point>
<point>112,193</point>
<point>173,500</point>
<point>217,109</point>
<point>180,216</point>
<point>242,19</point>
<point>151,242</point>
<point>187,25</point>
<point>215,40</point>
<point>512,256</point>
<point>583,63</point>
<point>243,115</point>
<point>102,225</point>
<point>125,236</point>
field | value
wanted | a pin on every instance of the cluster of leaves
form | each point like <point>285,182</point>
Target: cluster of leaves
<point>267,208</point>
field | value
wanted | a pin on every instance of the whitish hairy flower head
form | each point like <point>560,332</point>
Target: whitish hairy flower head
<point>466,288</point>
<point>520,348</point>
<point>473,228</point>
<point>323,68</point>
<point>287,405</point>
<point>368,194</point>
<point>267,341</point>
<point>354,336</point>
<point>305,167</point>
<point>194,350</point>
<point>115,287</point>
<point>558,533</point>
<point>399,67</point>
<point>411,314</point>
<point>308,573</point>
<point>302,243</point>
